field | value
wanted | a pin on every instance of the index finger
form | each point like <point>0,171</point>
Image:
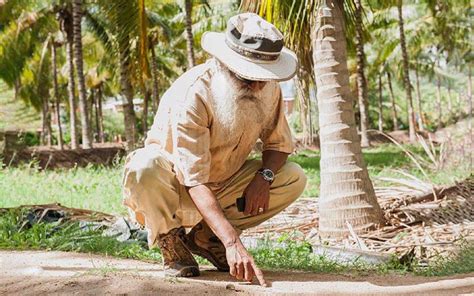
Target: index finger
<point>259,275</point>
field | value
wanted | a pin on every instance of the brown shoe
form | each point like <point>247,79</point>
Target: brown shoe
<point>177,259</point>
<point>203,242</point>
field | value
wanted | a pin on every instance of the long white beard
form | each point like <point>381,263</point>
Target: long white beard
<point>236,107</point>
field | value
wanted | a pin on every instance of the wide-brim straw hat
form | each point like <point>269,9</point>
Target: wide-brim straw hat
<point>252,48</point>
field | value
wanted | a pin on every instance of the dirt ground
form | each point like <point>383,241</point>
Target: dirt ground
<point>58,273</point>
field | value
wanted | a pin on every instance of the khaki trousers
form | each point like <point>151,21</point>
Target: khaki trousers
<point>158,201</point>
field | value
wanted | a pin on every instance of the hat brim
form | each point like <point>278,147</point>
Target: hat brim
<point>284,68</point>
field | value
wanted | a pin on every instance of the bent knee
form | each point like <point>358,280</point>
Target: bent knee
<point>145,161</point>
<point>296,177</point>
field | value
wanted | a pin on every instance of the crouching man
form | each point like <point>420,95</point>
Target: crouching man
<point>195,162</point>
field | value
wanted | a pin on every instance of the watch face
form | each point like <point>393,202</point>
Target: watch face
<point>268,174</point>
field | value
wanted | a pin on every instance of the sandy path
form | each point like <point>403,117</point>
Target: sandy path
<point>58,273</point>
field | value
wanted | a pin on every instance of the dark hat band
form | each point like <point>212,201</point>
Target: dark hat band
<point>251,54</point>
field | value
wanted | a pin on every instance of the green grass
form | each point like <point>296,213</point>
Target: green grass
<point>69,236</point>
<point>99,188</point>
<point>65,237</point>
<point>95,188</point>
<point>382,161</point>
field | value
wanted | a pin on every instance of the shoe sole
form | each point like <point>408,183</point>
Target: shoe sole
<point>190,271</point>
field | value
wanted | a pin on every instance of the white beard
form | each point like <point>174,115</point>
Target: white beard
<point>236,108</point>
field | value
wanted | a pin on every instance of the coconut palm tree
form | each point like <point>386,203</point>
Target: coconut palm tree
<point>188,8</point>
<point>347,195</point>
<point>66,24</point>
<point>78,59</point>
<point>392,102</point>
<point>406,76</point>
<point>54,45</point>
<point>361,81</point>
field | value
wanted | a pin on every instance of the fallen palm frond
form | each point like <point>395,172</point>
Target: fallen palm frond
<point>422,221</point>
<point>56,211</point>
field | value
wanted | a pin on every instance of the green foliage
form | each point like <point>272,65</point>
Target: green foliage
<point>293,254</point>
<point>17,234</point>
<point>462,262</point>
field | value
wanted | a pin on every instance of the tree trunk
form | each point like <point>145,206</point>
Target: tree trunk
<point>17,86</point>
<point>100,115</point>
<point>438,102</point>
<point>392,101</point>
<point>94,114</point>
<point>146,99</point>
<point>72,96</point>
<point>418,96</point>
<point>406,77</point>
<point>361,82</point>
<point>380,104</point>
<point>305,108</point>
<point>188,7</point>
<point>154,73</point>
<point>347,194</point>
<point>127,93</point>
<point>81,85</point>
<point>469,124</point>
<point>450,102</point>
<point>46,131</point>
<point>56,96</point>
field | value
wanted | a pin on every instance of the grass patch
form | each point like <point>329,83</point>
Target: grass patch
<point>463,262</point>
<point>96,188</point>
<point>16,234</point>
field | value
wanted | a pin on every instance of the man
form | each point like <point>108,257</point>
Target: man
<point>194,164</point>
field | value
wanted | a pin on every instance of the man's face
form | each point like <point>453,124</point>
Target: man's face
<point>253,85</point>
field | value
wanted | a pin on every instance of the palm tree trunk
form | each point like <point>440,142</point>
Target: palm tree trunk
<point>17,86</point>
<point>380,104</point>
<point>94,114</point>
<point>418,96</point>
<point>450,102</point>
<point>347,193</point>
<point>154,73</point>
<point>303,101</point>
<point>127,93</point>
<point>406,77</point>
<point>469,121</point>
<point>438,102</point>
<point>188,7</point>
<point>146,99</point>
<point>361,82</point>
<point>72,96</point>
<point>81,85</point>
<point>46,130</point>
<point>101,116</point>
<point>392,101</point>
<point>56,96</point>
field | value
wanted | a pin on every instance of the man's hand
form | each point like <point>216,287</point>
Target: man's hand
<point>241,263</point>
<point>257,196</point>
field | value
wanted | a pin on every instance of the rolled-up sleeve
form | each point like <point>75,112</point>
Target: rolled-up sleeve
<point>191,141</point>
<point>277,136</point>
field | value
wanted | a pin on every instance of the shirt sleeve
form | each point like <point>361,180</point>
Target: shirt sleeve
<point>277,136</point>
<point>191,141</point>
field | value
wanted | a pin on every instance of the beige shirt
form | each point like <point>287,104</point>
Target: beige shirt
<point>208,123</point>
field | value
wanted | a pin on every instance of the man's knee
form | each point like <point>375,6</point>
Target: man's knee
<point>296,178</point>
<point>145,162</point>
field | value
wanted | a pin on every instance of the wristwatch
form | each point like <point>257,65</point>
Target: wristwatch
<point>267,175</point>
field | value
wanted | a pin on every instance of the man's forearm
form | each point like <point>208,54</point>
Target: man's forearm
<point>209,207</point>
<point>273,160</point>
